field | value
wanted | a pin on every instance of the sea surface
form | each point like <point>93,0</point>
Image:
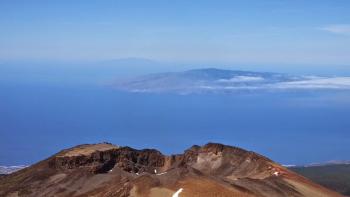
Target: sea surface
<point>39,116</point>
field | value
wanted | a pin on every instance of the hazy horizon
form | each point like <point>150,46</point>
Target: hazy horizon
<point>60,63</point>
<point>45,110</point>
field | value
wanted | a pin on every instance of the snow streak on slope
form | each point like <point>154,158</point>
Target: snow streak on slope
<point>176,194</point>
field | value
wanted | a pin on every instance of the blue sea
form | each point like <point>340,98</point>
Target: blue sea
<point>37,119</point>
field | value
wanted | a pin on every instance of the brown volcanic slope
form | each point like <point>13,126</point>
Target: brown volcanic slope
<point>212,170</point>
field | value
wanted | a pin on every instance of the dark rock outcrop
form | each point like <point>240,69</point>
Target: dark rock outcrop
<point>125,158</point>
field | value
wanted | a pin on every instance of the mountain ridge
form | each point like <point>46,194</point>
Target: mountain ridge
<point>335,176</point>
<point>108,170</point>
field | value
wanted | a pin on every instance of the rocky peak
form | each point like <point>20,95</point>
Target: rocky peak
<point>101,158</point>
<point>108,170</point>
<point>212,158</point>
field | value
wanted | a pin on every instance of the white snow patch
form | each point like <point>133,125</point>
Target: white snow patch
<point>276,173</point>
<point>161,173</point>
<point>176,194</point>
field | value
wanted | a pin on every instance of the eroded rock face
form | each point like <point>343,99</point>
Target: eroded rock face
<point>138,161</point>
<point>104,160</point>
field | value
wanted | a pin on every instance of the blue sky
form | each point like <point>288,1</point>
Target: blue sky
<point>308,32</point>
<point>51,98</point>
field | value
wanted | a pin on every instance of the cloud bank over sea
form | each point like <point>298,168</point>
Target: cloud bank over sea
<point>217,80</point>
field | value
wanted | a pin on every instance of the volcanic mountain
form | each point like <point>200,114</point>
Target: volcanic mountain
<point>212,80</point>
<point>206,171</point>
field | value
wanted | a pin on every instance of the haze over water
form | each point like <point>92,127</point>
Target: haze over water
<point>40,115</point>
<point>60,63</point>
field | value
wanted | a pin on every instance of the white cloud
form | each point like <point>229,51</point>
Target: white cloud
<point>308,83</point>
<point>241,79</point>
<point>338,29</point>
<point>239,87</point>
<point>317,83</point>
<point>240,83</point>
<point>10,169</point>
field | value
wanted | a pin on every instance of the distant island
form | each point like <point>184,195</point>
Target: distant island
<point>227,81</point>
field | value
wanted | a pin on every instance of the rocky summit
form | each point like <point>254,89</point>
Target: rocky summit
<point>212,170</point>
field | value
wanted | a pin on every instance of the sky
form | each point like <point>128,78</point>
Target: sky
<point>58,60</point>
<point>303,32</point>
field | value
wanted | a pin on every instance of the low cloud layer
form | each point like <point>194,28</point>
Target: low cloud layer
<point>211,80</point>
<point>333,83</point>
<point>319,83</point>
<point>10,169</point>
<point>238,79</point>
